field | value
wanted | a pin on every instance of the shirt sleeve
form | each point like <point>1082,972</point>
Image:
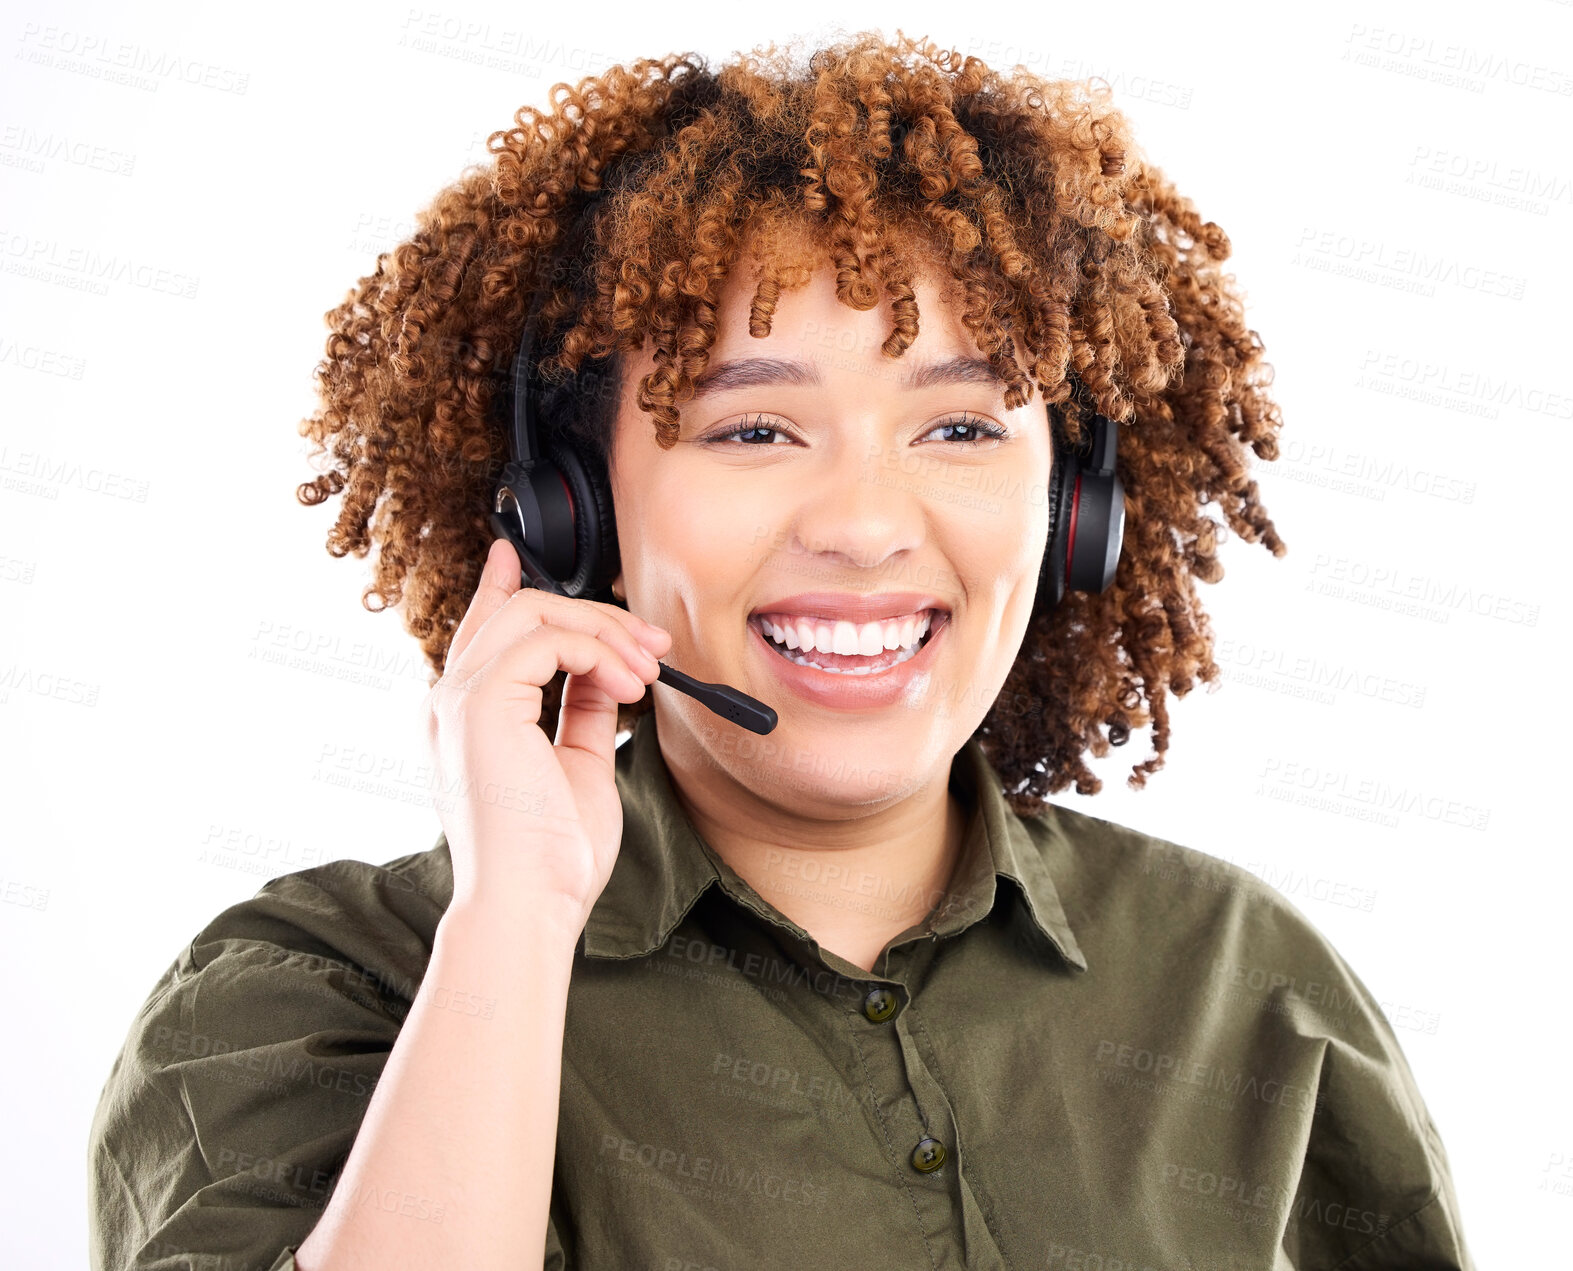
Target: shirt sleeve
<point>1375,1190</point>
<point>226,1119</point>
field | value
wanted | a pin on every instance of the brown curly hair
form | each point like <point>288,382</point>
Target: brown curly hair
<point>630,202</point>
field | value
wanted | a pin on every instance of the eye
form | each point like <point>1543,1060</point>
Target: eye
<point>978,430</point>
<point>985,427</point>
<point>742,429</point>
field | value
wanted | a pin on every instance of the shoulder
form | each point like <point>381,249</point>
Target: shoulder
<point>312,949</point>
<point>337,945</point>
<point>1153,914</point>
<point>245,1073</point>
<point>1115,880</point>
<point>1192,947</point>
<point>350,911</point>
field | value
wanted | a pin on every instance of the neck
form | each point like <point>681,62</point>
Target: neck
<point>853,877</point>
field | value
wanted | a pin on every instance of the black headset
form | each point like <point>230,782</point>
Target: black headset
<point>555,506</point>
<point>552,498</point>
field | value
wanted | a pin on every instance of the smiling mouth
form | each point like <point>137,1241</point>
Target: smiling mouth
<point>933,620</point>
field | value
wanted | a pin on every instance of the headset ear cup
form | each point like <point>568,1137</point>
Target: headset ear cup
<point>1098,516</point>
<point>596,559</point>
<point>1062,483</point>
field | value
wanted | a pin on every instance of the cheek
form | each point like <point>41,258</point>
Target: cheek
<point>1027,525</point>
<point>700,530</point>
<point>696,545</point>
<point>998,548</point>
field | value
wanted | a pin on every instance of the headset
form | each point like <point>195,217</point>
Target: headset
<point>555,506</point>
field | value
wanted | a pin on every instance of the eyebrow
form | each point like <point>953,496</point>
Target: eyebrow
<point>752,372</point>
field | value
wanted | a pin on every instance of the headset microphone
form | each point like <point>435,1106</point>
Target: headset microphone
<point>556,510</point>
<point>729,703</point>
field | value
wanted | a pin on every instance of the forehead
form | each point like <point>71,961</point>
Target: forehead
<point>808,321</point>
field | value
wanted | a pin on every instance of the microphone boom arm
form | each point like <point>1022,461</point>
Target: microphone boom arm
<point>726,701</point>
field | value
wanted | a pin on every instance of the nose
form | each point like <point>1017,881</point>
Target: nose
<point>856,512</point>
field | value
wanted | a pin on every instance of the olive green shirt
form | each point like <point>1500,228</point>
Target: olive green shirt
<point>1101,1052</point>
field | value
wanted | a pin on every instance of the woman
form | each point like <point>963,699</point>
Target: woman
<point>852,993</point>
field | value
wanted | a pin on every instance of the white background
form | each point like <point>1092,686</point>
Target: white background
<point>1397,186</point>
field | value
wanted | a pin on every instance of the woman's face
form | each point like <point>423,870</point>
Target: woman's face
<point>842,482</point>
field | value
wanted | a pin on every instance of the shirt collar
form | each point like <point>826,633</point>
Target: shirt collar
<point>663,865</point>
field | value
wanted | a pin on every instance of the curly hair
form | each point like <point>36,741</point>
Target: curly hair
<point>630,202</point>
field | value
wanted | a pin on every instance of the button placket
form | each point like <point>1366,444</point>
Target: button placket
<point>885,1004</point>
<point>933,1148</point>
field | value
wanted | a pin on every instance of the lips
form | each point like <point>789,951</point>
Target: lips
<point>854,683</point>
<point>898,628</point>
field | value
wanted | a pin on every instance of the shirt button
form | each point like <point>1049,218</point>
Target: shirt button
<point>880,1005</point>
<point>928,1155</point>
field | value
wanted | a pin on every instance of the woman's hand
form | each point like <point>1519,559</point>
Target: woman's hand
<point>527,820</point>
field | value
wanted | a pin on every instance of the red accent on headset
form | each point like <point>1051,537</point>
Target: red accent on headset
<point>569,492</point>
<point>1070,538</point>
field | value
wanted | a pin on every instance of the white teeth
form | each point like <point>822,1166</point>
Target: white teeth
<point>844,638</point>
<point>847,638</point>
<point>800,660</point>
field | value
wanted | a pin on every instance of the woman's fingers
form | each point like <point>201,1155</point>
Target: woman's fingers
<point>528,608</point>
<point>500,578</point>
<point>587,718</point>
<point>600,672</point>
